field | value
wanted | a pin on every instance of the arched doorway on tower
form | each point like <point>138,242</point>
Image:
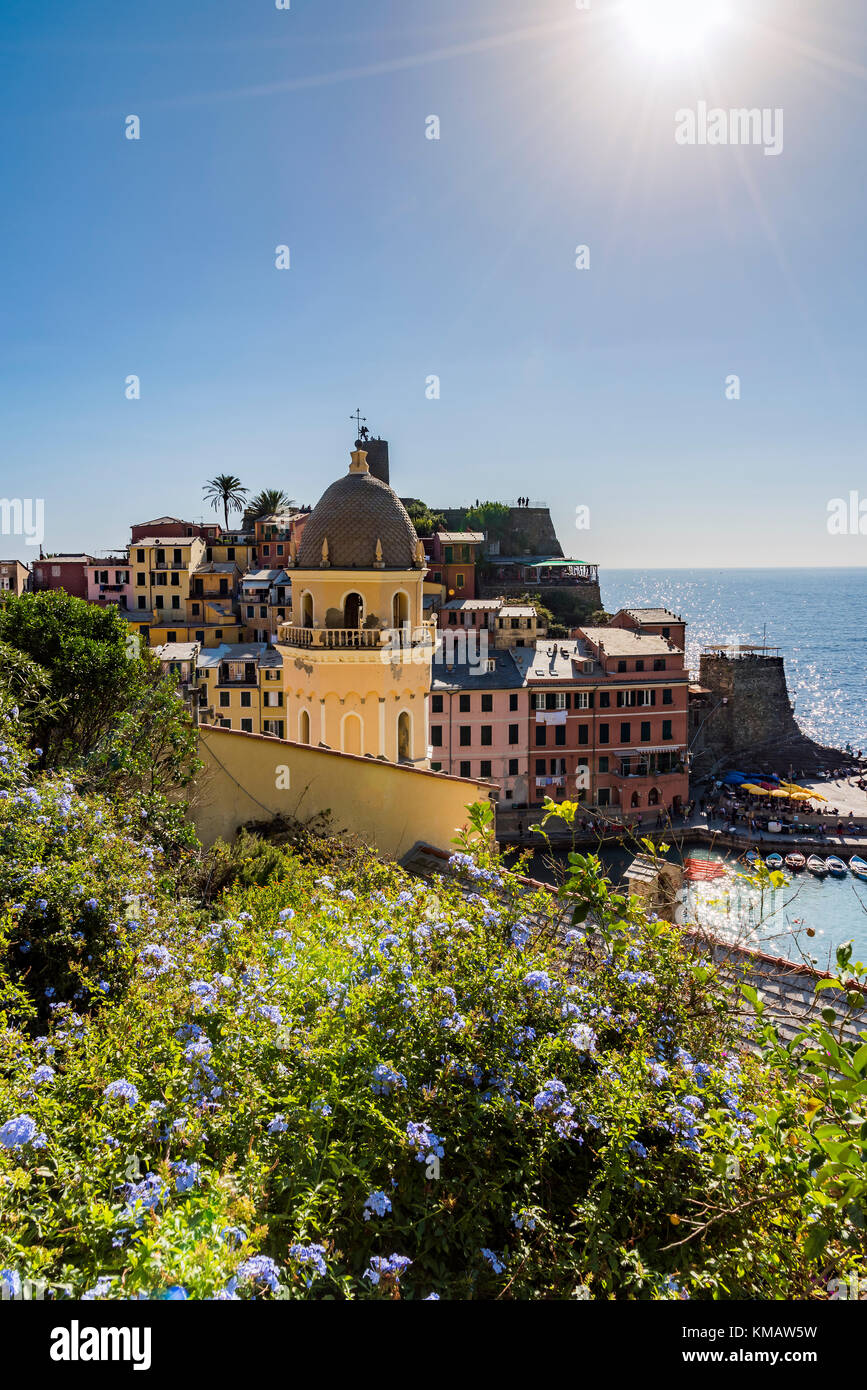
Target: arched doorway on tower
<point>353,610</point>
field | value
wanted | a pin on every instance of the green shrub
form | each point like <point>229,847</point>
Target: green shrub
<point>355,1084</point>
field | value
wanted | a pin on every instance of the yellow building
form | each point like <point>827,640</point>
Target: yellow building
<point>161,573</point>
<point>240,688</point>
<point>357,655</point>
<point>265,602</point>
<point>232,547</point>
<point>179,595</point>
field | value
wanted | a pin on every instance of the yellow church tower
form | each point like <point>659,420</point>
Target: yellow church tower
<point>357,654</point>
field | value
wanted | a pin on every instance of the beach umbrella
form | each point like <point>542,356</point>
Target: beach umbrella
<point>779,792</point>
<point>753,790</point>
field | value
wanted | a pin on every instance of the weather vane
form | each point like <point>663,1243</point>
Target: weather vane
<point>360,423</point>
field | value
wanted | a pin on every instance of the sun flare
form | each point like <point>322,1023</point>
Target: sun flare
<point>673,26</point>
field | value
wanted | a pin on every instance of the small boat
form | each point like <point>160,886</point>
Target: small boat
<point>796,862</point>
<point>817,866</point>
<point>752,857</point>
<point>774,861</point>
<point>858,866</point>
<point>835,866</point>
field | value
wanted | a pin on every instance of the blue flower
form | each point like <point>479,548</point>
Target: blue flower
<point>186,1175</point>
<point>538,980</point>
<point>155,959</point>
<point>520,935</point>
<point>143,1196</point>
<point>122,1090</point>
<point>494,1261</point>
<point>553,1101</point>
<point>100,1289</point>
<point>582,1037</point>
<point>17,1132</point>
<point>638,1149</point>
<point>390,1267</point>
<point>10,1283</point>
<point>260,1269</point>
<point>386,1080</point>
<point>376,1204</point>
<point>522,1221</point>
<point>278,1125</point>
<point>309,1255</point>
<point>424,1142</point>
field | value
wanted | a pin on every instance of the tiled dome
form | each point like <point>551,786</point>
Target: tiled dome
<point>352,515</point>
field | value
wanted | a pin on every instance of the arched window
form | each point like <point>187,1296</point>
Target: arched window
<point>653,796</point>
<point>351,734</point>
<point>353,610</point>
<point>404,737</point>
<point>399,609</point>
<point>304,727</point>
<point>307,609</point>
<point>636,800</point>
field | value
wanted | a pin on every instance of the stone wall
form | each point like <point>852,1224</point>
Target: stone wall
<point>758,719</point>
<point>571,604</point>
<point>529,531</point>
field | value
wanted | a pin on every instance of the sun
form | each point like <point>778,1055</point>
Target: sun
<point>673,26</point>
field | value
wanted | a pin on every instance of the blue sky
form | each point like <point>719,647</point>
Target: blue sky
<point>412,257</point>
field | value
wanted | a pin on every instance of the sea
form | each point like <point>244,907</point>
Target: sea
<point>818,619</point>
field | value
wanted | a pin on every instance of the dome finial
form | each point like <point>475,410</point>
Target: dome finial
<point>359,462</point>
<point>325,562</point>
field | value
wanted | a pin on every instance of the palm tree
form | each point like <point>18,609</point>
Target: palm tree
<point>225,491</point>
<point>268,501</point>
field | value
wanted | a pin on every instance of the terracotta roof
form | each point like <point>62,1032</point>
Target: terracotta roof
<point>352,515</point>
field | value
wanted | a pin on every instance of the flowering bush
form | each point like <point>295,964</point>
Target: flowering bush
<point>362,1085</point>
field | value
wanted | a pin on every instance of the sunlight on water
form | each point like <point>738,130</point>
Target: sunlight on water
<point>816,618</point>
<point>778,920</point>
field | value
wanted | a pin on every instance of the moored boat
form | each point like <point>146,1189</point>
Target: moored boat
<point>858,866</point>
<point>835,866</point>
<point>817,866</point>
<point>774,861</point>
<point>796,862</point>
<point>753,857</point>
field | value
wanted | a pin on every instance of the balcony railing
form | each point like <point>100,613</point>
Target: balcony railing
<point>356,638</point>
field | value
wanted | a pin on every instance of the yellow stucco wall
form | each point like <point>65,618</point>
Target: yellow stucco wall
<point>354,699</point>
<point>389,806</point>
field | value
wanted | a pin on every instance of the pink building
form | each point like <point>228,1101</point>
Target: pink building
<point>653,622</point>
<point>478,723</point>
<point>108,581</point>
